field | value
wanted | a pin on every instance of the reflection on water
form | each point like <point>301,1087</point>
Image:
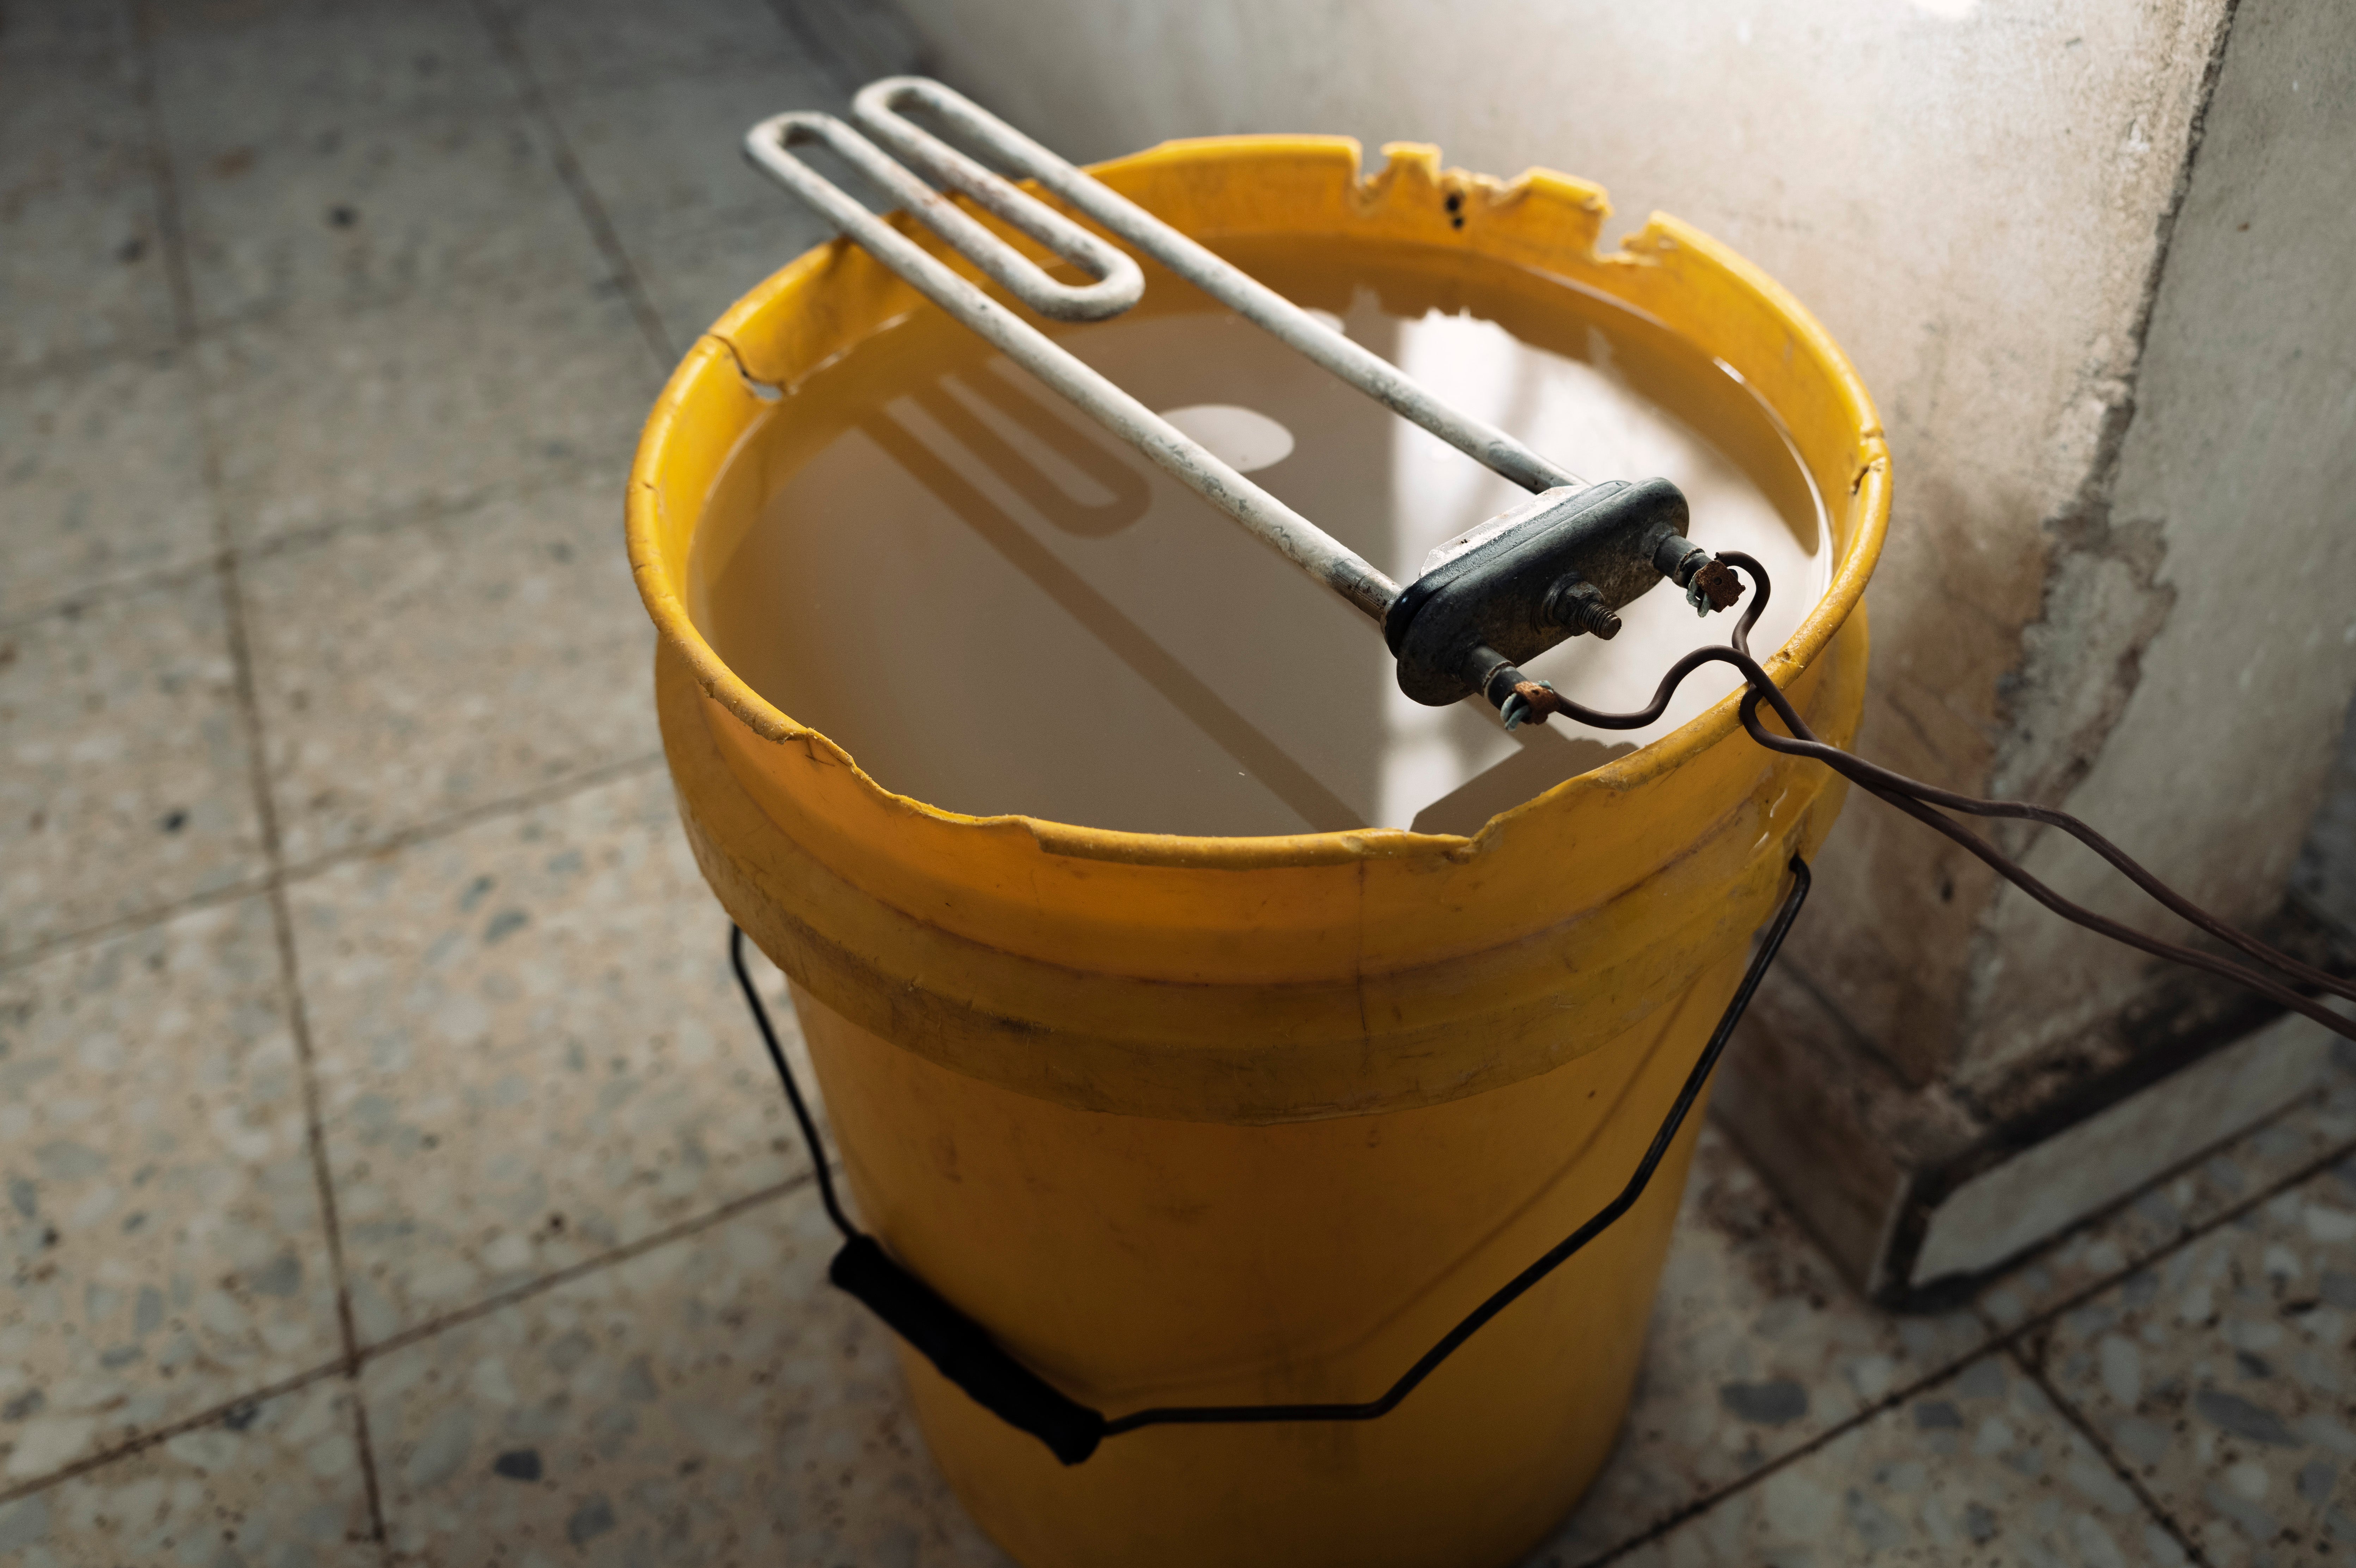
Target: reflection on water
<point>997,607</point>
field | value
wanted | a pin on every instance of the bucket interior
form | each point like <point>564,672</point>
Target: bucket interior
<point>998,607</point>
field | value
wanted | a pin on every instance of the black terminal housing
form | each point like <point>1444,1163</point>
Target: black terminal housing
<point>1452,627</point>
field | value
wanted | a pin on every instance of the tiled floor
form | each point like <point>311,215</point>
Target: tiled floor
<point>391,1175</point>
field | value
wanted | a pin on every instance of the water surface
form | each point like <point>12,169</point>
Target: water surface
<point>996,606</point>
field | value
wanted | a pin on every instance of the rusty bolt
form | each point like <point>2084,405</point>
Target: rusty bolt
<point>1579,604</point>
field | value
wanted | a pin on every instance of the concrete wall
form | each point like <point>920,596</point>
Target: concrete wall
<point>2203,627</point>
<point>2116,394</point>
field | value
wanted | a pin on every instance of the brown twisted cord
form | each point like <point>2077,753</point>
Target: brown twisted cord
<point>2076,828</point>
<point>1919,801</point>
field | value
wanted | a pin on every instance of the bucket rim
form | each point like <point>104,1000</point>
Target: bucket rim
<point>1412,175</point>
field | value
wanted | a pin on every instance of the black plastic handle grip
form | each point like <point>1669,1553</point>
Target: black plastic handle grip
<point>966,1355</point>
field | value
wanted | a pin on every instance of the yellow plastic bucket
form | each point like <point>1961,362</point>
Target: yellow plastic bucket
<point>1233,1120</point>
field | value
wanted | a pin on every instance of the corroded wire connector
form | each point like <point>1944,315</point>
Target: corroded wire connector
<point>1533,702</point>
<point>1713,587</point>
<point>1707,582</point>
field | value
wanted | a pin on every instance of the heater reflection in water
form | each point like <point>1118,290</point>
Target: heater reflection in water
<point>996,606</point>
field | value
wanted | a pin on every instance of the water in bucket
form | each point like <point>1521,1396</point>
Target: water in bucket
<point>996,606</point>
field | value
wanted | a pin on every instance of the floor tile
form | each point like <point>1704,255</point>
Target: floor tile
<point>603,42</point>
<point>1758,1347</point>
<point>713,1402</point>
<point>666,157</point>
<point>531,1050</point>
<point>70,110</point>
<point>101,477</point>
<point>275,1484</point>
<point>339,217</point>
<point>124,775</point>
<point>2225,1375</point>
<point>437,400</point>
<point>2321,1127</point>
<point>163,1235</point>
<point>2017,1207</point>
<point>81,263</point>
<point>671,150</point>
<point>80,276</point>
<point>1980,1470</point>
<point>72,30</point>
<point>700,226</point>
<point>863,41</point>
<point>693,273</point>
<point>232,76</point>
<point>406,672</point>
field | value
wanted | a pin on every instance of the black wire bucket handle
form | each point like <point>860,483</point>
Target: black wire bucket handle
<point>964,1352</point>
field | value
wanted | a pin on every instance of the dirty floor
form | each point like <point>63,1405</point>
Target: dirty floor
<point>391,1175</point>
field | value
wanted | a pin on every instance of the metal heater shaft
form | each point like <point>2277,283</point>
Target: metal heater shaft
<point>1118,287</point>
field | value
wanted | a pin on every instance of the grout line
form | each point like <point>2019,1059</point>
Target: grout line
<point>368,1465</point>
<point>2010,1342</point>
<point>792,18</point>
<point>144,1441</point>
<point>265,806</point>
<point>123,925</point>
<point>602,233</point>
<point>339,1368</point>
<point>67,363</point>
<point>579,782</point>
<point>304,536</point>
<point>225,567</point>
<point>1990,1280</point>
<point>571,784</point>
<point>2033,1367</point>
<point>1708,1500</point>
<point>173,233</point>
<point>298,1018</point>
<point>542,1283</point>
<point>451,507</point>
<point>424,832</point>
<point>2000,1344</point>
<point>833,43</point>
<point>290,975</point>
<point>90,594</point>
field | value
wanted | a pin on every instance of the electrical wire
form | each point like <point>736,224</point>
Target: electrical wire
<point>1921,800</point>
<point>793,1091</point>
<point>965,1352</point>
<point>1512,1290</point>
<point>1770,942</point>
